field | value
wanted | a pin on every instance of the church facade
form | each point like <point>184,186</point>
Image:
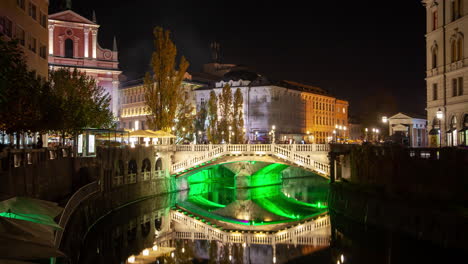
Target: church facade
<point>73,43</point>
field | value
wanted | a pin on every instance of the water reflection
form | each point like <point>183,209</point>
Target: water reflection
<point>164,229</point>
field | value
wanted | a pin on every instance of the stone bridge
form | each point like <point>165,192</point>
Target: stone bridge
<point>311,157</point>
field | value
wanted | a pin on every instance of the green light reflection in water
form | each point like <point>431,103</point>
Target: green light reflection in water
<point>213,194</point>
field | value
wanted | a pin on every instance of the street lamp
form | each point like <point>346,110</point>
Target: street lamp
<point>230,129</point>
<point>199,136</point>
<point>334,134</point>
<point>273,127</point>
<point>440,115</point>
<point>384,119</point>
<point>367,130</point>
<point>256,135</point>
<point>377,131</point>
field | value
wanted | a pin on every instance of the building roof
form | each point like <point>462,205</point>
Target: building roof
<point>70,16</point>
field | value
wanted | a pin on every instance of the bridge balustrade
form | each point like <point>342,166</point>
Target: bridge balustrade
<point>301,234</point>
<point>289,152</point>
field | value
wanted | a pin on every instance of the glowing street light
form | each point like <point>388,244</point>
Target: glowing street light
<point>273,127</point>
<point>384,119</point>
<point>440,115</point>
<point>230,129</point>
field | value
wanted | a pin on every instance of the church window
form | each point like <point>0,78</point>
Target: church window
<point>434,91</point>
<point>69,48</point>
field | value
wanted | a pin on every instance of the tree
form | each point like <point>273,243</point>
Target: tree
<point>163,88</point>
<point>225,110</point>
<point>238,117</point>
<point>20,92</point>
<point>77,102</point>
<point>212,131</point>
<point>200,121</point>
<point>184,125</point>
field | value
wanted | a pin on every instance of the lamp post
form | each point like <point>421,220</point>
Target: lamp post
<point>308,136</point>
<point>199,137</point>
<point>373,134</point>
<point>385,121</point>
<point>377,131</point>
<point>273,127</point>
<point>440,115</point>
<point>256,136</point>
<point>367,130</point>
<point>230,129</point>
<point>334,134</point>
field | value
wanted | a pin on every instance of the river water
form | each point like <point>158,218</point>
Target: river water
<point>215,222</point>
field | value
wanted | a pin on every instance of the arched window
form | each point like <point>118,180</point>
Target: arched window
<point>69,48</point>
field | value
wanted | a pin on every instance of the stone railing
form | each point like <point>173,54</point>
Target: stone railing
<point>79,196</point>
<point>24,157</point>
<point>296,154</point>
<point>313,232</point>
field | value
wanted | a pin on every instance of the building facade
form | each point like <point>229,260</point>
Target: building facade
<point>26,21</point>
<point>447,70</point>
<point>132,105</point>
<point>73,43</point>
<point>410,129</point>
<point>296,111</point>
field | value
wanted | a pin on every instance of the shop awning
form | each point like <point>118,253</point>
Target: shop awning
<point>434,132</point>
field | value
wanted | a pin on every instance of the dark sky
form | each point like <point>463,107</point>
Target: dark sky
<point>354,49</point>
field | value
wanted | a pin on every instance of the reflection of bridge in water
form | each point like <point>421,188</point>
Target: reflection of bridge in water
<point>312,157</point>
<point>315,232</point>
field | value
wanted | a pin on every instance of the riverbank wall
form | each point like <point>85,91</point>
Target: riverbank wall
<point>420,192</point>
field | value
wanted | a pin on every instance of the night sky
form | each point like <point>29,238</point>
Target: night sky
<point>357,50</point>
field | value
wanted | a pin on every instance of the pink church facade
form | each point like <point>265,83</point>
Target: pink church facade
<point>73,43</point>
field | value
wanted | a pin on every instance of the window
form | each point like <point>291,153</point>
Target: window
<point>454,87</point>
<point>32,44</point>
<point>8,27</point>
<point>43,18</point>
<point>69,48</point>
<point>434,20</point>
<point>434,57</point>
<point>20,35</point>
<point>460,48</point>
<point>43,51</point>
<point>454,10</point>
<point>460,8</point>
<point>20,3</point>
<point>434,91</point>
<point>454,50</point>
<point>460,86</point>
<point>32,10</point>
<point>202,101</point>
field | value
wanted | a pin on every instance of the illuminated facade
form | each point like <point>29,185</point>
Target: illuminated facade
<point>26,21</point>
<point>447,71</point>
<point>297,111</point>
<point>132,106</point>
<point>73,44</point>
